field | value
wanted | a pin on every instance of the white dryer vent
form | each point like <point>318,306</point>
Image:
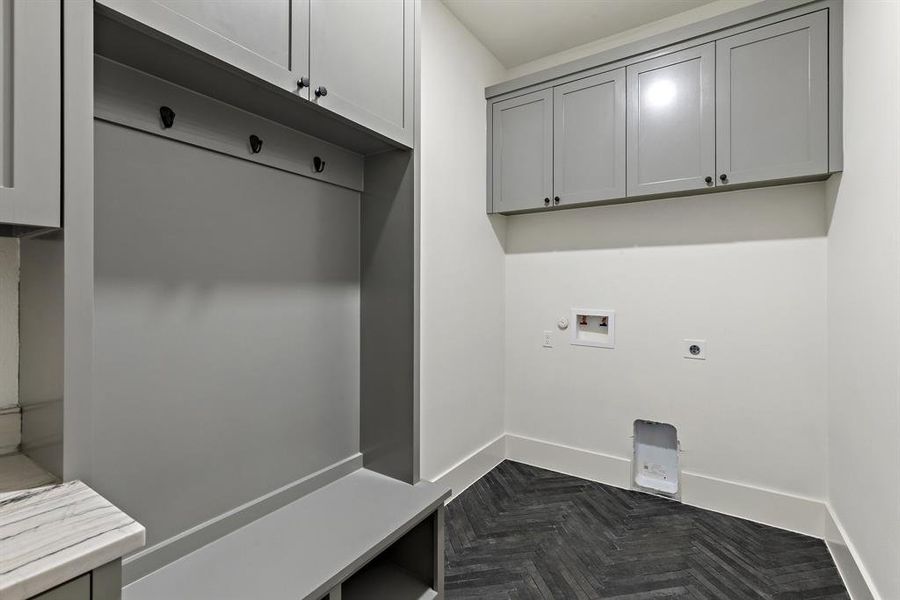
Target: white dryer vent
<point>655,464</point>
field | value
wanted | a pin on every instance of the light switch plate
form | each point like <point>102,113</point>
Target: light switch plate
<point>694,349</point>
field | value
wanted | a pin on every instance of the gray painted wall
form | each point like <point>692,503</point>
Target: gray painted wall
<point>227,328</point>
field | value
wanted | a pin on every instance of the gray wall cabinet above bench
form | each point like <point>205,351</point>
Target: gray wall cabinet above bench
<point>30,125</point>
<point>352,58</point>
<point>747,99</point>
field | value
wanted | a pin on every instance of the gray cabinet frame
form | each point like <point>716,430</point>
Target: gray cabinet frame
<point>30,107</point>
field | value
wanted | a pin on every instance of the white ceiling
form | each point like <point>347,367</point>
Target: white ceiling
<point>519,31</point>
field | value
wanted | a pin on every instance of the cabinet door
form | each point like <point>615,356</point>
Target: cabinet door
<point>77,589</point>
<point>772,101</point>
<point>30,106</point>
<point>671,122</point>
<point>267,38</point>
<point>362,56</point>
<point>522,152</point>
<point>589,139</point>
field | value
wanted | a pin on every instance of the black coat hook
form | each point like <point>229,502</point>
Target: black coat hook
<point>167,115</point>
<point>255,144</point>
<point>318,164</point>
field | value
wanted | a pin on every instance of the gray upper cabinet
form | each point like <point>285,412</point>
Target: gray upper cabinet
<point>362,57</point>
<point>671,122</point>
<point>589,139</point>
<point>356,59</point>
<point>772,101</point>
<point>30,107</point>
<point>522,140</point>
<point>268,38</point>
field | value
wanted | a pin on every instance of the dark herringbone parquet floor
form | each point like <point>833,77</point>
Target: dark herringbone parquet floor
<point>521,532</point>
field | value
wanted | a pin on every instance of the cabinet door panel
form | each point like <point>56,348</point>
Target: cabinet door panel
<point>772,101</point>
<point>77,589</point>
<point>589,138</point>
<point>30,106</point>
<point>267,38</point>
<point>671,122</point>
<point>522,152</point>
<point>362,53</point>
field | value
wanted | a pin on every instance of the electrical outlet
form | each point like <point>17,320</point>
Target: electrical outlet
<point>694,349</point>
<point>548,339</point>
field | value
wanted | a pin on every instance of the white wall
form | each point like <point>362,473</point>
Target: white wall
<point>462,255</point>
<point>687,17</point>
<point>743,270</point>
<point>9,322</point>
<point>864,298</point>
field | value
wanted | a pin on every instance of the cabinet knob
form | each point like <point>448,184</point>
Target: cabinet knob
<point>555,199</point>
<point>723,177</point>
<point>708,180</point>
<point>321,91</point>
<point>546,201</point>
<point>303,82</point>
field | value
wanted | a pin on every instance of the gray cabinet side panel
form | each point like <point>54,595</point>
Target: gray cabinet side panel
<point>772,101</point>
<point>226,337</point>
<point>589,139</point>
<point>387,322</point>
<point>522,152</point>
<point>671,122</point>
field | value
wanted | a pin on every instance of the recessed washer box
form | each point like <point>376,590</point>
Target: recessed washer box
<point>593,327</point>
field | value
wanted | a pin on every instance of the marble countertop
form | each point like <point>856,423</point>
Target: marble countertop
<point>49,535</point>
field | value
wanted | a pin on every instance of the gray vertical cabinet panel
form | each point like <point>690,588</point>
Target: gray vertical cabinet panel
<point>226,329</point>
<point>30,105</point>
<point>363,54</point>
<point>671,122</point>
<point>522,153</point>
<point>268,38</point>
<point>772,101</point>
<point>589,138</point>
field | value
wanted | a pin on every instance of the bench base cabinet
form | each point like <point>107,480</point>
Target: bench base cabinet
<point>103,583</point>
<point>755,103</point>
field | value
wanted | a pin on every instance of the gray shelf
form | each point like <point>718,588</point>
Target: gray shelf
<point>302,550</point>
<point>385,581</point>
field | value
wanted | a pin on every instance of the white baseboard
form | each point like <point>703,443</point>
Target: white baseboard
<point>853,572</point>
<point>770,507</point>
<point>473,467</point>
